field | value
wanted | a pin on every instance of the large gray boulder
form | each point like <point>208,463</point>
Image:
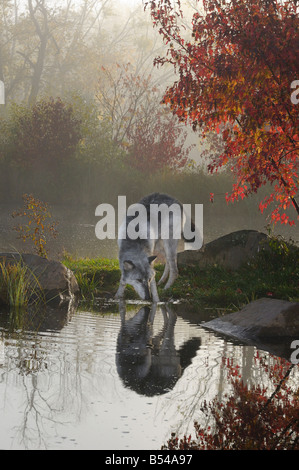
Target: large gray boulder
<point>261,318</point>
<point>269,324</point>
<point>230,251</point>
<point>57,282</point>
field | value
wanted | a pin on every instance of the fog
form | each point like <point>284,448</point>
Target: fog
<point>83,121</point>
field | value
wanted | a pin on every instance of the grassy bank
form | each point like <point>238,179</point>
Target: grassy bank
<point>274,273</point>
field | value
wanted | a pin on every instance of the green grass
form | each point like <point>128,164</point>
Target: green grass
<point>274,274</point>
<point>18,286</point>
<point>96,277</point>
<point>19,289</point>
<point>14,285</point>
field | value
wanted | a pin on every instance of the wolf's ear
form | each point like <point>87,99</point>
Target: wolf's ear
<point>151,259</point>
<point>128,265</point>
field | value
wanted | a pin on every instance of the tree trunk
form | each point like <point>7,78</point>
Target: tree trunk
<point>43,34</point>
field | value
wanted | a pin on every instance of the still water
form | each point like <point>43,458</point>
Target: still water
<point>76,229</point>
<point>119,377</point>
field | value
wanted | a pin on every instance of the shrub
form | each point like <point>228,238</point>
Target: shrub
<point>43,135</point>
<point>37,214</point>
<point>249,419</point>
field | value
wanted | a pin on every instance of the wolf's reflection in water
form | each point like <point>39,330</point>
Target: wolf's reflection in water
<point>149,362</point>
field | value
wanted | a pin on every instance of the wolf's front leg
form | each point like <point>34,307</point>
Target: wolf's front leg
<point>121,290</point>
<point>154,291</point>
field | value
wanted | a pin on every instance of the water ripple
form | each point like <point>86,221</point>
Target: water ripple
<point>107,381</point>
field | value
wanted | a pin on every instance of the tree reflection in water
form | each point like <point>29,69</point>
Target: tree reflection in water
<point>28,339</point>
<point>120,376</point>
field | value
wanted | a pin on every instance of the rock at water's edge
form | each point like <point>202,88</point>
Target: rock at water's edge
<point>263,318</point>
<point>57,282</point>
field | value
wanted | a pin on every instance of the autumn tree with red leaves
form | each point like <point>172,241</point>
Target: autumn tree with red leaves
<point>236,62</point>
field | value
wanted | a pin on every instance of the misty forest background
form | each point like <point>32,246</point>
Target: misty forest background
<point>83,120</point>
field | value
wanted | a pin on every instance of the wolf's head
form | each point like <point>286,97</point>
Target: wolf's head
<point>139,273</point>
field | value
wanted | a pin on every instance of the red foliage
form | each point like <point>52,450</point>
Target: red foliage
<point>235,76</point>
<point>248,419</point>
<point>157,143</point>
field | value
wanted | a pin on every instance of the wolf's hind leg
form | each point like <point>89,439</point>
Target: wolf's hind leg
<point>171,257</point>
<point>172,277</point>
<point>164,275</point>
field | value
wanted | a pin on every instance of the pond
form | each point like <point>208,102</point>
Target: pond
<point>120,377</point>
<point>76,230</point>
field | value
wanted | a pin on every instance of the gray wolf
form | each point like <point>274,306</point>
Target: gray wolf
<point>159,234</point>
